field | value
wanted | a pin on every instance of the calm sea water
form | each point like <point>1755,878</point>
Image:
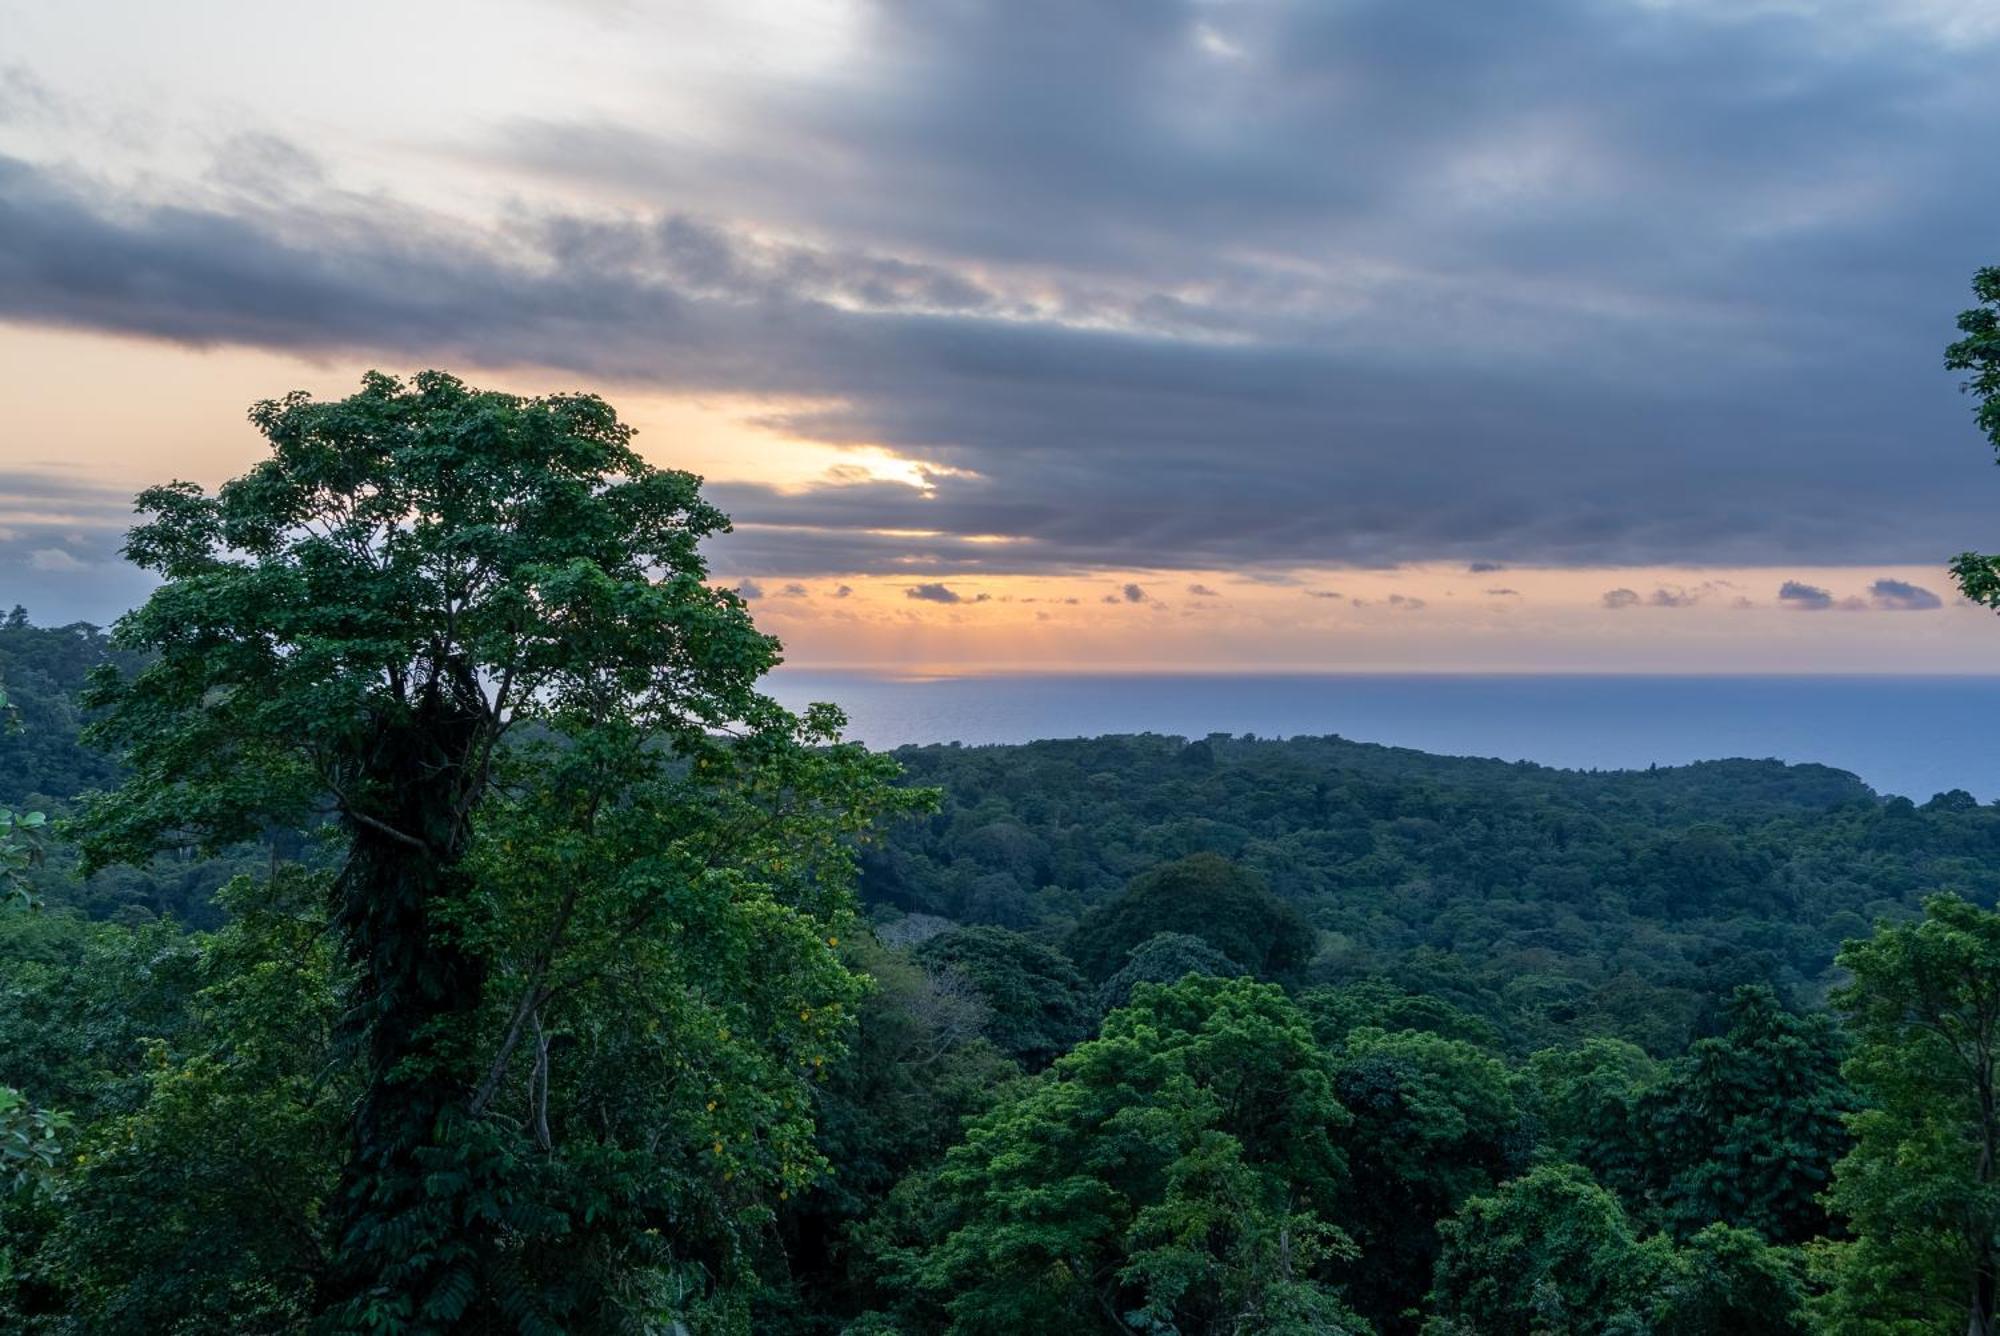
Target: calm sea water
<point>1910,735</point>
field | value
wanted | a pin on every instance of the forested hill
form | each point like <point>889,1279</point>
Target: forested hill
<point>45,765</point>
<point>1338,1030</point>
<point>44,668</point>
<point>1550,901</point>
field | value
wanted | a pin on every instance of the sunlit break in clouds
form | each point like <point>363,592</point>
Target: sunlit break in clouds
<point>1589,334</point>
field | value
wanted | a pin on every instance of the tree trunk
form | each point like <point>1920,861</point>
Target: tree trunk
<point>1980,1320</point>
<point>397,1237</point>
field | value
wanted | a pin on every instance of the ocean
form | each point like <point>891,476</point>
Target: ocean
<point>1909,735</point>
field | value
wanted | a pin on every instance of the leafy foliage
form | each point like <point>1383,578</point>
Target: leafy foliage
<point>1747,1126</point>
<point>30,1141</point>
<point>1203,896</point>
<point>17,854</point>
<point>1920,1186</point>
<point>1165,957</point>
<point>1730,1280</point>
<point>918,1066</point>
<point>1036,1007</point>
<point>1586,1101</point>
<point>1435,1121</point>
<point>1551,1252</point>
<point>226,1142</point>
<point>1337,1012</point>
<point>473,631</point>
<point>1179,1169</point>
<point>1553,905</point>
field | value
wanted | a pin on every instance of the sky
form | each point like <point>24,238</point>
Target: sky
<point>1578,335</point>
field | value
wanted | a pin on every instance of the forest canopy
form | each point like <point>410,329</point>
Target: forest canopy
<point>1454,1039</point>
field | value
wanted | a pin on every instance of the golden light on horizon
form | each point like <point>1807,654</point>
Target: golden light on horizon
<point>180,412</point>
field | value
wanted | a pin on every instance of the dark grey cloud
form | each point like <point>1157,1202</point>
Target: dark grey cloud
<point>1621,598</point>
<point>1683,271</point>
<point>1902,596</point>
<point>1202,591</point>
<point>1807,598</point>
<point>933,593</point>
<point>749,590</point>
<point>1133,594</point>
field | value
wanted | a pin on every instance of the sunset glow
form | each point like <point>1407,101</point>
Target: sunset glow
<point>1031,371</point>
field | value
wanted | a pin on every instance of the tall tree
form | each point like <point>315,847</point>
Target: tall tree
<point>1175,1174</point>
<point>1036,1007</point>
<point>1434,1123</point>
<point>1586,1100</point>
<point>1206,896</point>
<point>1921,1188</point>
<point>1978,354</point>
<point>364,625</point>
<point>1943,1012</point>
<point>1165,957</point>
<point>1747,1126</point>
<point>1726,1279</point>
<point>1549,1254</point>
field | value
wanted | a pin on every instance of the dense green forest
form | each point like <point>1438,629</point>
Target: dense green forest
<point>1224,1035</point>
<point>438,931</point>
<point>1553,904</point>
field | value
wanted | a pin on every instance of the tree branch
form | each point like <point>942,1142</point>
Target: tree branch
<point>384,828</point>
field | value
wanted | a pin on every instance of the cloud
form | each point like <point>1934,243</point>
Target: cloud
<point>1503,593</point>
<point>59,546</point>
<point>1324,593</point>
<point>266,166</point>
<point>1133,594</point>
<point>24,98</point>
<point>1901,596</point>
<point>55,559</point>
<point>1805,597</point>
<point>749,590</point>
<point>1484,567</point>
<point>1178,310</point>
<point>1406,603</point>
<point>844,591</point>
<point>1665,596</point>
<point>933,593</point>
<point>1202,591</point>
